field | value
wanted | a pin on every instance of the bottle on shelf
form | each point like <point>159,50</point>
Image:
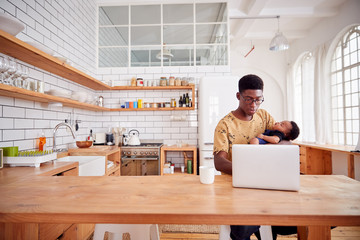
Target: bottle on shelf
<point>180,101</point>
<point>184,100</point>
<point>42,142</point>
<point>187,100</point>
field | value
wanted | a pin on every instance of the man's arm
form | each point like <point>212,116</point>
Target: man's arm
<point>222,163</point>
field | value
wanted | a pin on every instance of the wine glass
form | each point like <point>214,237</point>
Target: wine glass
<point>24,76</point>
<point>4,66</point>
<point>11,70</point>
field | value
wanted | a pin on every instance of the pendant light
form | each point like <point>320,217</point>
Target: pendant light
<point>279,42</point>
<point>166,54</point>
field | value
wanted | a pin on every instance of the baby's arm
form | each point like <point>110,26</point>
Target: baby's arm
<point>270,139</point>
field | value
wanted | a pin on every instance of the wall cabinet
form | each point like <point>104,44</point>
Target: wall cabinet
<point>16,48</point>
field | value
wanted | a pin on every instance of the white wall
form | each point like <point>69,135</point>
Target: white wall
<point>270,66</point>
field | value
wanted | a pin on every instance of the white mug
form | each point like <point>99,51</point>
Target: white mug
<point>100,137</point>
<point>207,174</point>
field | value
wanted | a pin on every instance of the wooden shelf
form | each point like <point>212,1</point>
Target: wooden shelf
<point>16,48</point>
<point>10,91</point>
<point>152,109</point>
<point>190,87</point>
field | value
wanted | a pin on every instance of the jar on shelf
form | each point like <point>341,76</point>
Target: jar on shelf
<point>133,82</point>
<point>177,82</point>
<point>140,82</point>
<point>163,81</point>
<point>172,81</point>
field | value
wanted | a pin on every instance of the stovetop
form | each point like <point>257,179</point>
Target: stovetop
<point>143,145</point>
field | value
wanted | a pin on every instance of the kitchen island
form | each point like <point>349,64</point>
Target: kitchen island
<point>323,201</point>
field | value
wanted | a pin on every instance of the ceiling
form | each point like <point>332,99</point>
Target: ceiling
<point>297,17</point>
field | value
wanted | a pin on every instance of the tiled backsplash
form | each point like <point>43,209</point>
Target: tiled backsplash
<point>69,28</point>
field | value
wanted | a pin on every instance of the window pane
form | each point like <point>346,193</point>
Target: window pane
<point>355,86</point>
<point>356,126</point>
<point>183,56</point>
<point>353,58</point>
<point>353,45</point>
<point>113,36</point>
<point>348,113</point>
<point>145,57</point>
<point>355,113</point>
<point>178,13</point>
<point>339,77</point>
<point>347,87</point>
<point>113,57</point>
<point>355,138</point>
<point>340,113</point>
<point>354,73</point>
<point>347,75</point>
<point>211,55</point>
<point>341,139</point>
<point>349,139</point>
<point>211,33</point>
<point>348,126</point>
<point>114,15</point>
<point>149,35</point>
<point>183,34</point>
<point>346,60</point>
<point>355,99</point>
<point>146,14</point>
<point>347,100</point>
<point>211,12</point>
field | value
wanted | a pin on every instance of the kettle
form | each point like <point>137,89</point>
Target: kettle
<point>133,138</point>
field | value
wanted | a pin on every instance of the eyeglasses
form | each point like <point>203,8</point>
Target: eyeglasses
<point>250,101</point>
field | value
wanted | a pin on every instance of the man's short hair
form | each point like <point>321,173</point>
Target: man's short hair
<point>250,81</point>
<point>295,131</point>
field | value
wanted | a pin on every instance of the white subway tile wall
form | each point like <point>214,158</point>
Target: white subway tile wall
<point>69,28</point>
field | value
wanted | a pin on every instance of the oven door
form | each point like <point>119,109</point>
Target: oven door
<point>140,166</point>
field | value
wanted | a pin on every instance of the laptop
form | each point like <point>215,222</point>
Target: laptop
<point>266,166</point>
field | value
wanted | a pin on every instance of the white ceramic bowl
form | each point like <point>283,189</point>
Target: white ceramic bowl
<point>79,96</point>
<point>10,24</point>
<point>59,93</point>
<point>41,47</point>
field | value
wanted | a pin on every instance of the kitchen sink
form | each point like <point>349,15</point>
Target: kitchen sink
<point>88,165</point>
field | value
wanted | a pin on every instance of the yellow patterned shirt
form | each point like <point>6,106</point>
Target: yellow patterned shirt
<point>231,130</point>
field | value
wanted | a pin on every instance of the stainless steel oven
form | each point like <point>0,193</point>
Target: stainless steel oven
<point>141,160</point>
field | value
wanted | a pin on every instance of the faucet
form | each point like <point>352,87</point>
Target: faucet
<point>54,134</point>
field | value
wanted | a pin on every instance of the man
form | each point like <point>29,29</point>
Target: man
<point>239,127</point>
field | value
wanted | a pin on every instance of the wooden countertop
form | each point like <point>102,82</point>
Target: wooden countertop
<point>322,200</point>
<point>11,174</point>
<point>329,147</point>
<point>100,150</point>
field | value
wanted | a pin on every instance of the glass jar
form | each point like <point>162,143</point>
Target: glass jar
<point>172,81</point>
<point>163,81</point>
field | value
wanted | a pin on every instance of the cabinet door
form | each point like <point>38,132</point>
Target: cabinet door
<point>52,231</point>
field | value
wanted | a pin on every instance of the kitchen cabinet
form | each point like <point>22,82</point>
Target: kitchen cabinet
<point>139,167</point>
<point>16,48</point>
<point>183,149</point>
<point>111,153</point>
<point>42,230</point>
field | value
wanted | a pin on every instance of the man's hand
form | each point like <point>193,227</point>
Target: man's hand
<point>260,136</point>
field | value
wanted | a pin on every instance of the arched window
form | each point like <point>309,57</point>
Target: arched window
<point>345,85</point>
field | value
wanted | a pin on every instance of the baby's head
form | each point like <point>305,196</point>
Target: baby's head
<point>289,128</point>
